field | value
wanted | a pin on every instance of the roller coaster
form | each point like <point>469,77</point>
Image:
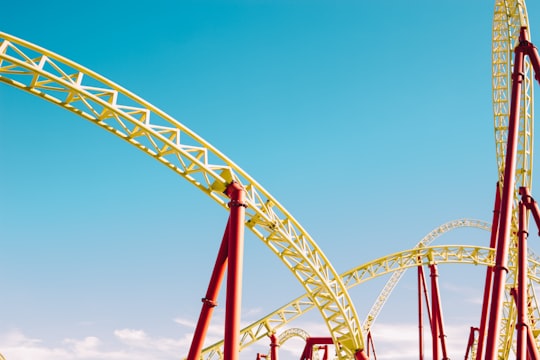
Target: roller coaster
<point>509,321</point>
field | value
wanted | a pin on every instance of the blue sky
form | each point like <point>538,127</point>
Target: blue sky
<point>369,121</point>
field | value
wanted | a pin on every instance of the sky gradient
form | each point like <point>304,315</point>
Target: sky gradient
<point>371,122</point>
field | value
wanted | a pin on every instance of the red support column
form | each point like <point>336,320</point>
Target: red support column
<point>274,344</point>
<point>521,293</point>
<point>434,315</point>
<point>210,300</point>
<point>361,355</point>
<point>489,276</point>
<point>370,345</point>
<point>325,354</point>
<point>503,240</point>
<point>420,316</point>
<point>527,202</point>
<point>231,345</point>
<point>470,343</point>
<point>437,314</point>
<point>429,308</point>
<point>532,350</point>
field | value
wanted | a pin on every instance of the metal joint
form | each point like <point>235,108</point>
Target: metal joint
<point>209,302</point>
<point>236,203</point>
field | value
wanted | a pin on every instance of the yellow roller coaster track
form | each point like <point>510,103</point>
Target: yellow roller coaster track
<point>56,79</point>
<point>60,81</point>
<point>267,325</point>
<point>397,262</point>
<point>509,17</point>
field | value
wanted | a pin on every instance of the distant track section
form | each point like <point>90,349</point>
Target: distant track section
<point>262,328</point>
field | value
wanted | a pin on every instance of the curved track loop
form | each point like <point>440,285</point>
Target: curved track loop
<point>106,104</point>
<point>97,99</point>
<point>461,254</point>
<point>289,334</point>
<point>397,275</point>
<point>509,17</point>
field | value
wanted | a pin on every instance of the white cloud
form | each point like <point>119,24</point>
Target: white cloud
<point>138,339</point>
<point>130,345</point>
<point>391,341</point>
<point>185,322</point>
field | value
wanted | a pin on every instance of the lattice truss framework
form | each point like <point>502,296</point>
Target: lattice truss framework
<point>509,17</point>
<point>91,96</point>
<point>462,254</point>
<point>106,104</point>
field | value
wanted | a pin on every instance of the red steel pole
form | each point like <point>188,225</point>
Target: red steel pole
<point>521,294</point>
<point>231,341</point>
<point>274,344</point>
<point>420,317</point>
<point>325,353</point>
<point>532,350</point>
<point>210,300</point>
<point>470,343</point>
<point>500,270</point>
<point>426,296</point>
<point>371,345</point>
<point>489,275</point>
<point>434,315</point>
<point>361,355</point>
<point>529,203</point>
<point>437,312</point>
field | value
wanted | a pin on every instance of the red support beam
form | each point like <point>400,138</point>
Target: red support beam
<point>503,239</point>
<point>521,293</point>
<point>371,345</point>
<point>274,345</point>
<point>439,337</point>
<point>532,350</point>
<point>210,300</point>
<point>231,344</point>
<point>525,330</point>
<point>230,257</point>
<point>420,278</point>
<point>470,342</point>
<point>325,353</point>
<point>489,276</point>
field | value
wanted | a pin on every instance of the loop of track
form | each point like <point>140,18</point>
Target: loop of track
<point>508,18</point>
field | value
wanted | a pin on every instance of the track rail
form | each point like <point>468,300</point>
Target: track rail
<point>77,89</point>
<point>397,275</point>
<point>91,96</point>
<point>509,16</point>
<point>393,263</point>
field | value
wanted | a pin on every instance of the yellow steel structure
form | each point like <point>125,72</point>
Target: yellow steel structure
<point>396,276</point>
<point>393,263</point>
<point>91,96</point>
<point>75,88</point>
<point>290,333</point>
<point>509,17</point>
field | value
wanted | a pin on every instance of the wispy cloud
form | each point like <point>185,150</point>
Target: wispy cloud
<point>392,341</point>
<point>130,345</point>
